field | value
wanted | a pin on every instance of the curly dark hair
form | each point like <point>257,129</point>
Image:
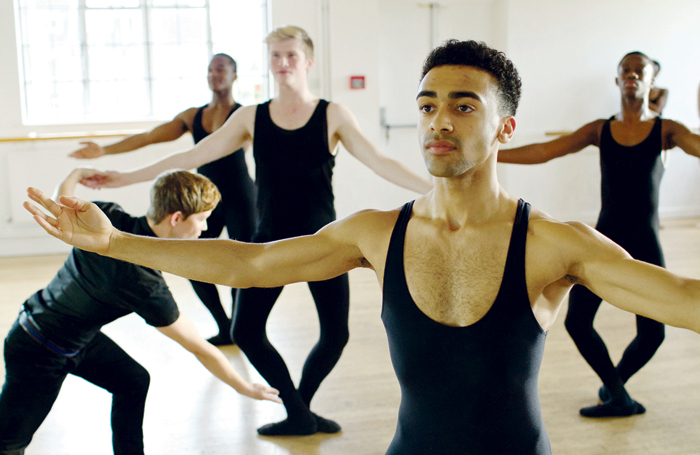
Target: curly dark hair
<point>479,55</point>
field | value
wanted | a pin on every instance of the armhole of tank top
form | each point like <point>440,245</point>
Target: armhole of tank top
<point>198,117</point>
<point>398,233</point>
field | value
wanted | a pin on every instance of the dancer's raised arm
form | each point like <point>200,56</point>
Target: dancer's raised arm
<point>360,147</point>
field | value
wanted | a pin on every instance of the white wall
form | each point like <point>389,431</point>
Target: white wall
<point>566,54</point>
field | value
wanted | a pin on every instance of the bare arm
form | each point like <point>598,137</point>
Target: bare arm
<point>68,184</point>
<point>635,286</point>
<point>184,332</point>
<point>166,132</point>
<point>680,136</point>
<point>545,151</point>
<point>360,147</point>
<point>234,134</point>
<point>660,102</point>
<point>326,254</point>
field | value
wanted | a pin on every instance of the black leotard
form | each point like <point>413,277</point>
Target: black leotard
<point>230,174</point>
<point>466,390</point>
<point>630,180</point>
<point>295,197</point>
<point>236,212</point>
<point>293,173</point>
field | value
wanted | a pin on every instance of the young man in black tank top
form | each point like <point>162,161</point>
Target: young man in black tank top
<point>230,174</point>
<point>461,241</point>
<point>296,136</point>
<point>631,146</point>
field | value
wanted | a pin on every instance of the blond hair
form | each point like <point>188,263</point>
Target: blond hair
<point>292,32</point>
<point>181,191</point>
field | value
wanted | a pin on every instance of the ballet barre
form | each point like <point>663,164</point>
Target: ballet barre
<point>76,135</point>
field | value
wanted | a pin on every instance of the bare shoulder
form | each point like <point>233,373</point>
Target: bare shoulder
<point>366,223</point>
<point>187,117</point>
<point>368,230</point>
<point>340,115</point>
<point>242,122</point>
<point>543,227</point>
<point>593,130</point>
<point>566,243</point>
<point>246,113</point>
<point>673,133</point>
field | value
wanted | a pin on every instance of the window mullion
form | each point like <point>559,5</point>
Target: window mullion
<point>84,56</point>
<point>145,10</point>
<point>210,38</point>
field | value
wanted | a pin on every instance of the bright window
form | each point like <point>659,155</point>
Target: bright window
<point>96,61</point>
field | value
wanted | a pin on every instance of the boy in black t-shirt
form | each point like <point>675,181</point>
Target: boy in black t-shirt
<point>58,329</point>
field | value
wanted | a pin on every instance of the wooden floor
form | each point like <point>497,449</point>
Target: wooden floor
<point>190,412</point>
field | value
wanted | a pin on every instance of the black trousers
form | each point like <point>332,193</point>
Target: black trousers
<point>34,376</point>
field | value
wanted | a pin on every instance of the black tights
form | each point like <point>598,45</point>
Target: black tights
<point>332,299</point>
<point>239,219</point>
<point>583,305</point>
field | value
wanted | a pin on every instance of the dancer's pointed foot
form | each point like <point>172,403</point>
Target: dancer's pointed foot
<point>289,427</point>
<point>613,409</point>
<point>326,425</point>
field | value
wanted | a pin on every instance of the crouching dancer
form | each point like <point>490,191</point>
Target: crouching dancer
<point>58,329</point>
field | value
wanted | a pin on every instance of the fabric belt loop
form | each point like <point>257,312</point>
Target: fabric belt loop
<point>29,325</point>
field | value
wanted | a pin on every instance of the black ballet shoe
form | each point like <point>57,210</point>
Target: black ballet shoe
<point>610,409</point>
<point>221,340</point>
<point>326,425</point>
<point>288,428</point>
<point>604,394</point>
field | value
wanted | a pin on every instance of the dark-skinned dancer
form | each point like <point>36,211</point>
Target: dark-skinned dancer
<point>230,174</point>
<point>632,145</point>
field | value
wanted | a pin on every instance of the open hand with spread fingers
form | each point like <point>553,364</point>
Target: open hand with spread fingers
<point>74,221</point>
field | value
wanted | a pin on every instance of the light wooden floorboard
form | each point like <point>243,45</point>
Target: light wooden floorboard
<point>190,412</point>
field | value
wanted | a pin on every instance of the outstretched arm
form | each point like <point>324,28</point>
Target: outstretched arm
<point>184,332</point>
<point>234,134</point>
<point>542,152</point>
<point>360,147</point>
<point>680,136</point>
<point>166,132</point>
<point>324,255</point>
<point>635,286</point>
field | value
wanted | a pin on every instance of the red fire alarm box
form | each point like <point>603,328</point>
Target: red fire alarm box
<point>357,82</point>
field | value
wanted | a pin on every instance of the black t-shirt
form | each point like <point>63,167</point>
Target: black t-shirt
<point>92,290</point>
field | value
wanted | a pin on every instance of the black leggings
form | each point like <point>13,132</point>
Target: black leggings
<point>332,299</point>
<point>237,213</point>
<point>34,377</point>
<point>583,305</point>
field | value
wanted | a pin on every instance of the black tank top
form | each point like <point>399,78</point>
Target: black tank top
<point>293,174</point>
<point>630,180</point>
<point>230,173</point>
<point>466,390</point>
